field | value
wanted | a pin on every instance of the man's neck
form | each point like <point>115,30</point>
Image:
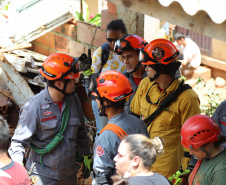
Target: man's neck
<point>4,159</point>
<point>112,111</point>
<point>216,151</point>
<point>164,81</point>
<point>139,73</point>
<point>55,95</point>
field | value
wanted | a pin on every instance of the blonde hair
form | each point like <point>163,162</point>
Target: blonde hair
<point>147,149</point>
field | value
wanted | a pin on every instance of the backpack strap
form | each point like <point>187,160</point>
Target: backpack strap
<point>116,129</point>
<point>104,54</point>
<point>167,101</point>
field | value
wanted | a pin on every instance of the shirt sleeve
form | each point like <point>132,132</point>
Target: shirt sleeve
<point>24,131</point>
<point>216,115</point>
<point>105,149</point>
<point>82,137</point>
<point>219,177</point>
<point>96,60</point>
<point>136,101</point>
<point>188,107</point>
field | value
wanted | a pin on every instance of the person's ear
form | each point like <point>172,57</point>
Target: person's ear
<point>107,103</point>
<point>136,161</point>
<point>58,84</point>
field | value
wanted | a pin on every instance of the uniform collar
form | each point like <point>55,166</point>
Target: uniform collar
<point>118,117</point>
<point>174,85</point>
<point>47,98</point>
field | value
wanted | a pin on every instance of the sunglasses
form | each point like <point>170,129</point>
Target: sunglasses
<point>110,39</point>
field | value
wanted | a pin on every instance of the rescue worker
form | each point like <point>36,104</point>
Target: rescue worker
<point>51,124</point>
<point>110,92</point>
<point>220,117</point>
<point>129,48</point>
<point>164,103</point>
<point>202,135</point>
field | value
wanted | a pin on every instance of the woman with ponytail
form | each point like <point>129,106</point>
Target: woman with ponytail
<point>136,155</point>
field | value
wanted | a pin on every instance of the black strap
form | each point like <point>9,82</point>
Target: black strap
<point>101,179</point>
<point>104,55</point>
<point>187,154</point>
<point>132,113</point>
<point>167,101</point>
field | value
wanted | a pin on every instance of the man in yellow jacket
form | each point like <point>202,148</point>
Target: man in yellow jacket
<point>159,56</point>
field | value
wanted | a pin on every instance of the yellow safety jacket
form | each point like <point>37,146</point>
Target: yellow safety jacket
<point>167,124</point>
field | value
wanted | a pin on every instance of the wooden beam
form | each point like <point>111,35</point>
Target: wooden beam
<point>174,13</point>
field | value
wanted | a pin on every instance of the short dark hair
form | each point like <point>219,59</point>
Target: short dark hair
<point>117,24</point>
<point>118,104</point>
<point>179,36</point>
<point>4,134</point>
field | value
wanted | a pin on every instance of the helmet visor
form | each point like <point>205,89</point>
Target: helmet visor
<point>122,45</point>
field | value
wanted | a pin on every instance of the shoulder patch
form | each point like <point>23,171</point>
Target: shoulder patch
<point>45,106</point>
<point>99,151</point>
<point>23,113</point>
<point>47,112</point>
<point>18,128</point>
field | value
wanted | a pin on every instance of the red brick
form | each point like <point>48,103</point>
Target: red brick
<point>47,40</point>
<point>112,8</point>
<point>99,38</point>
<point>41,49</point>
<point>75,48</point>
<point>58,29</point>
<point>61,43</point>
<point>67,29</point>
<point>51,51</point>
<point>106,18</point>
<point>85,32</point>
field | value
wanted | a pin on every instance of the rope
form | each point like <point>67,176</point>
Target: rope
<point>58,138</point>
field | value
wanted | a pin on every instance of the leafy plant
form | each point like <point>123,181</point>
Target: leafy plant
<point>213,98</point>
<point>84,15</point>
<point>5,4</point>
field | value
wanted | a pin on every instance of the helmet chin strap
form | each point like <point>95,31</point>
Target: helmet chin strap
<point>153,78</point>
<point>64,89</point>
<point>135,69</point>
<point>103,108</point>
<point>207,152</point>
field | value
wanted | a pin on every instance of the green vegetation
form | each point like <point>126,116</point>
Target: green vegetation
<point>85,16</point>
<point>212,96</point>
<point>5,6</point>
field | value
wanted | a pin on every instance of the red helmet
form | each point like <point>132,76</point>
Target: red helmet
<point>199,130</point>
<point>56,65</point>
<point>113,86</point>
<point>158,51</point>
<point>129,42</point>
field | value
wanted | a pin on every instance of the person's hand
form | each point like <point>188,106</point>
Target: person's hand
<point>88,164</point>
<point>85,61</point>
<point>184,178</point>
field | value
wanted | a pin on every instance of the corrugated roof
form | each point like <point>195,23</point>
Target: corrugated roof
<point>216,9</point>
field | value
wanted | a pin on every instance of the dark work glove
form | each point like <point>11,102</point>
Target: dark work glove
<point>85,61</point>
